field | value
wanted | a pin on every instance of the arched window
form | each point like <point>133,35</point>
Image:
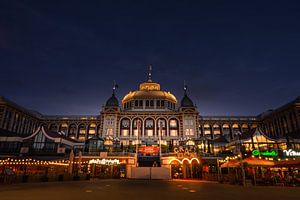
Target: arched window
<point>207,130</point>
<point>235,129</point>
<point>245,128</point>
<point>173,127</point>
<point>53,127</point>
<point>125,127</point>
<point>226,129</point>
<point>149,127</point>
<point>91,130</point>
<point>64,128</point>
<point>216,129</point>
<point>137,127</point>
<point>81,132</point>
<point>72,131</point>
<point>161,122</point>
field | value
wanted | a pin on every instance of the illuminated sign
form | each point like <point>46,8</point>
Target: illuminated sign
<point>264,153</point>
<point>149,149</point>
<point>186,150</point>
<point>104,161</point>
<point>291,153</point>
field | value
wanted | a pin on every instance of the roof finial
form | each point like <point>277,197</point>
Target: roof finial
<point>150,73</point>
<point>115,86</point>
<point>184,87</point>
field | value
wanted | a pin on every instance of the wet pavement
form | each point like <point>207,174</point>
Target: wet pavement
<point>143,190</point>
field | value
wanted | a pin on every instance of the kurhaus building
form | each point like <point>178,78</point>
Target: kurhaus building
<point>151,114</point>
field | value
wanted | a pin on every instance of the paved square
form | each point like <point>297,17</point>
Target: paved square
<point>143,189</point>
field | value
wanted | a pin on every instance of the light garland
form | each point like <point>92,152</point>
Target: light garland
<point>30,161</point>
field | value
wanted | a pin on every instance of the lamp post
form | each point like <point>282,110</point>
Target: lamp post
<point>138,125</point>
<point>160,133</point>
<point>239,134</point>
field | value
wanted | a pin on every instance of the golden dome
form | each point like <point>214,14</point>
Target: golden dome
<point>149,90</point>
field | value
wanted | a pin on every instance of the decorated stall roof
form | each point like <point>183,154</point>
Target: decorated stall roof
<point>57,137</point>
<point>256,136</point>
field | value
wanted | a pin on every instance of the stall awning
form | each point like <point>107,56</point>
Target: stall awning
<point>231,164</point>
<point>258,162</point>
<point>288,163</point>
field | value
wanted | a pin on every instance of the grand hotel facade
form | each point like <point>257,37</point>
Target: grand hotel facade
<point>149,127</point>
<point>153,114</point>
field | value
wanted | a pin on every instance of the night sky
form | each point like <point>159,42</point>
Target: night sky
<point>237,58</point>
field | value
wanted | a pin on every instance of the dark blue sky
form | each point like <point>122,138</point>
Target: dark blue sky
<point>238,58</point>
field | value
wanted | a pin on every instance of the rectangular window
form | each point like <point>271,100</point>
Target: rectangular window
<point>141,103</point>
<point>135,132</point>
<point>151,103</point>
<point>189,131</point>
<point>136,103</point>
<point>109,131</point>
<point>173,133</point>
<point>158,103</point>
<point>149,133</point>
<point>147,103</point>
<point>125,132</point>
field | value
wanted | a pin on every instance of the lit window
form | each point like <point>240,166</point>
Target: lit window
<point>189,131</point>
<point>125,133</point>
<point>173,133</point>
<point>173,123</point>
<point>109,131</point>
<point>135,132</point>
<point>163,132</point>
<point>81,137</point>
<point>149,133</point>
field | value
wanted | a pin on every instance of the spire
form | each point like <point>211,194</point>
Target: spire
<point>150,73</point>
<point>184,87</point>
<point>115,86</point>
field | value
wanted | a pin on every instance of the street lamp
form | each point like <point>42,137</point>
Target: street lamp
<point>138,125</point>
<point>239,134</point>
<point>160,133</point>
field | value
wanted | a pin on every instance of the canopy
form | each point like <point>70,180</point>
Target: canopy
<point>258,162</point>
<point>230,164</point>
<point>288,163</point>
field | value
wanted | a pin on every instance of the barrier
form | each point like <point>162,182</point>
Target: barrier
<point>150,173</point>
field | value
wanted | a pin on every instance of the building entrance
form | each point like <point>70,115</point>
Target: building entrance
<point>185,169</point>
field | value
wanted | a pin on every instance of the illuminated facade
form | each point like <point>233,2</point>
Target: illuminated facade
<point>149,113</point>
